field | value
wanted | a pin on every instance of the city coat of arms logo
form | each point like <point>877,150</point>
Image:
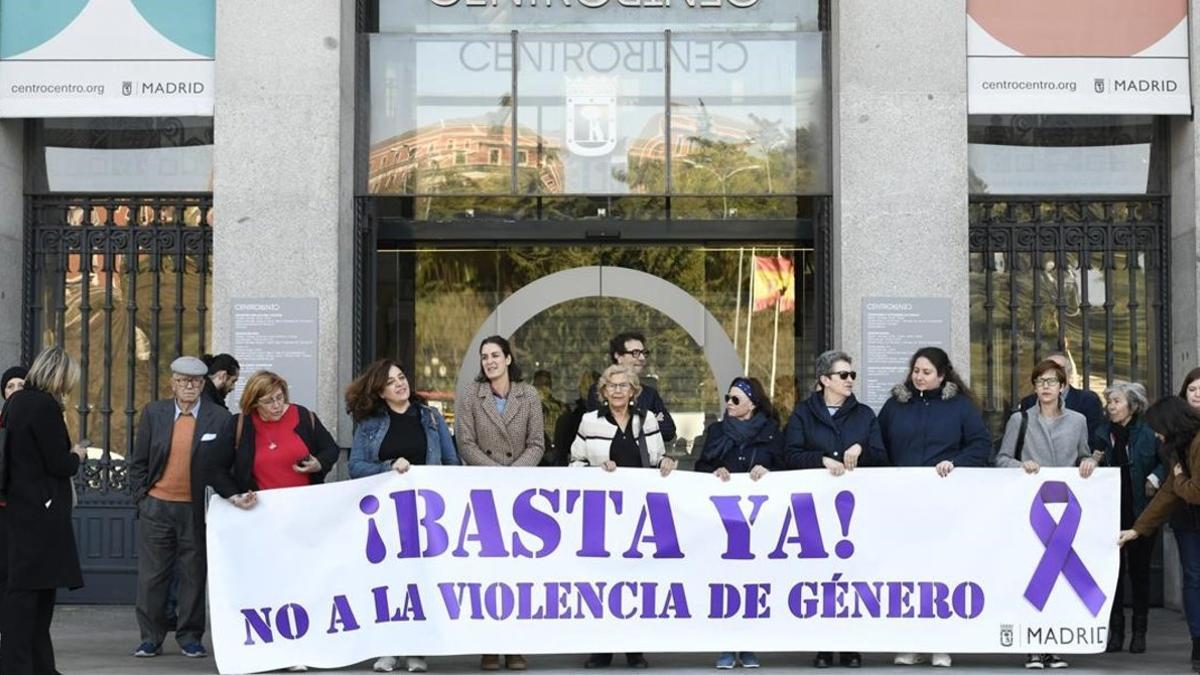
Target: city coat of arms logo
<point>591,116</point>
<point>1099,84</point>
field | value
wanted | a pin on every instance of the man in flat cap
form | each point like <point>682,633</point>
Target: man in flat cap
<point>166,477</point>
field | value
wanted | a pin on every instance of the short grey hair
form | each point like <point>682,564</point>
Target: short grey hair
<point>825,363</point>
<point>1134,393</point>
<point>631,377</point>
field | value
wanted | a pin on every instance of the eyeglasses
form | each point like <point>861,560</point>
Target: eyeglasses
<point>618,386</point>
<point>844,374</point>
<point>277,399</point>
<point>1046,382</point>
<point>736,400</point>
<point>638,353</point>
<point>189,382</point>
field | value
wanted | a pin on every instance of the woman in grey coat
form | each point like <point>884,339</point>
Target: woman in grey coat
<point>1047,435</point>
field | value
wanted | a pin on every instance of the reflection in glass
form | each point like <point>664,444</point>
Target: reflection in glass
<point>431,302</point>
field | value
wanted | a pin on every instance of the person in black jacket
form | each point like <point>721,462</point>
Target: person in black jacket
<point>1083,401</point>
<point>37,529</point>
<point>831,429</point>
<point>629,349</point>
<point>746,440</point>
<point>301,448</point>
<point>223,372</point>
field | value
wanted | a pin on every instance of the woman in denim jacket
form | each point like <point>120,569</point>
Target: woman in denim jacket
<point>396,429</point>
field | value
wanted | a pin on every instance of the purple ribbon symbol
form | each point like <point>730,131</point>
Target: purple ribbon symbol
<point>1059,556</point>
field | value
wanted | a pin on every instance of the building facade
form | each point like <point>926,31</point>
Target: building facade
<point>738,179</point>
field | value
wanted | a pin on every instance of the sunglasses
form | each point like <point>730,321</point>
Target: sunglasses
<point>844,374</point>
<point>736,400</point>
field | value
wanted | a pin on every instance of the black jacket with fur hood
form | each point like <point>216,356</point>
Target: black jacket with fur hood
<point>924,428</point>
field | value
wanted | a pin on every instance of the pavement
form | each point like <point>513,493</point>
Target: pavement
<point>98,640</point>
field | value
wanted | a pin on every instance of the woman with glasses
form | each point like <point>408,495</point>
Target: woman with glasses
<point>619,434</point>
<point>1051,436</point>
<point>498,422</point>
<point>832,430</point>
<point>746,440</point>
<point>272,443</point>
<point>931,420</point>
<point>396,430</point>
<point>1125,441</point>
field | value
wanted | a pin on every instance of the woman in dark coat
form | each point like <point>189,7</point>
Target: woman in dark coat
<point>931,420</point>
<point>746,440</point>
<point>37,517</point>
<point>831,429</point>
<point>1125,441</point>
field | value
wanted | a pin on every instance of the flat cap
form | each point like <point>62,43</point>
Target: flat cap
<point>189,365</point>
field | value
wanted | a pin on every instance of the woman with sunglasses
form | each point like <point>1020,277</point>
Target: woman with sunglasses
<point>620,434</point>
<point>831,429</point>
<point>746,440</point>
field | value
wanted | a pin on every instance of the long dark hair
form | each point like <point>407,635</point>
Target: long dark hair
<point>941,363</point>
<point>1173,419</point>
<point>514,371</point>
<point>362,396</point>
<point>1192,376</point>
<point>759,397</point>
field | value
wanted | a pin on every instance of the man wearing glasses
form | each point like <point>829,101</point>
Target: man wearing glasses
<point>629,349</point>
<point>166,477</point>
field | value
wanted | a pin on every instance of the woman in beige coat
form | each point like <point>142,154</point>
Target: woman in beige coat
<point>499,423</point>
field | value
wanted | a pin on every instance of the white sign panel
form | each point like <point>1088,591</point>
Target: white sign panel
<point>454,560</point>
<point>94,58</point>
<point>893,329</point>
<point>1078,57</point>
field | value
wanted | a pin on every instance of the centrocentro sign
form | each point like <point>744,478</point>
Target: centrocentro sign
<point>1078,57</point>
<point>98,58</point>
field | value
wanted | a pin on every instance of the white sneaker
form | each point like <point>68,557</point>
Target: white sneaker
<point>384,664</point>
<point>416,664</point>
<point>941,660</point>
<point>908,659</point>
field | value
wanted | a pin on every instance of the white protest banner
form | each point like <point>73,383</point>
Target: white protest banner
<point>451,560</point>
<point>1085,57</point>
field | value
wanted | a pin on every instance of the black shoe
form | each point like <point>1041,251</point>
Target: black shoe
<point>1137,643</point>
<point>823,660</point>
<point>1196,654</point>
<point>1116,633</point>
<point>598,661</point>
<point>851,660</point>
<point>636,660</point>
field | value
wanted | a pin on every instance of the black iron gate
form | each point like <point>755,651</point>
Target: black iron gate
<point>123,283</point>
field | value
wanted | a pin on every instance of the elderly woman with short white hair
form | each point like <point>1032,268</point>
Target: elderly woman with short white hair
<point>1126,442</point>
<point>619,434</point>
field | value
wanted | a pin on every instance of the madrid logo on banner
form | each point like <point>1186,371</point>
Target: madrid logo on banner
<point>1078,57</point>
<point>453,560</point>
<point>96,58</point>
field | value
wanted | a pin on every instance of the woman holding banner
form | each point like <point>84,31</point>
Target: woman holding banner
<point>395,431</point>
<point>931,420</point>
<point>499,423</point>
<point>1177,426</point>
<point>832,430</point>
<point>1190,391</point>
<point>746,440</point>
<point>620,435</point>
<point>1048,436</point>
<point>1124,441</point>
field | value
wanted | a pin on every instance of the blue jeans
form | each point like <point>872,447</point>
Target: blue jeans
<point>1189,559</point>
